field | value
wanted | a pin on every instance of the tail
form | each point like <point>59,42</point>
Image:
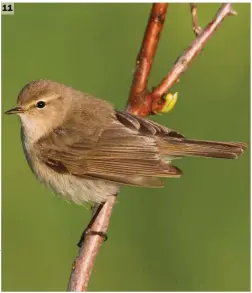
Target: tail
<point>203,148</point>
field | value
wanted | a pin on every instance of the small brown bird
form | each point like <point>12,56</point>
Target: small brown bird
<point>83,149</point>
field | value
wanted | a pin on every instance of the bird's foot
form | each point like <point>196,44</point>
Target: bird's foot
<point>89,232</point>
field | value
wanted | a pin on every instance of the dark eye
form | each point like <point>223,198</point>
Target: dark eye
<point>40,104</point>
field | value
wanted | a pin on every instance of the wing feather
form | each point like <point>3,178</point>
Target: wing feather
<point>125,151</point>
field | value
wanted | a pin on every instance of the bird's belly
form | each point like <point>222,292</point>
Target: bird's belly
<point>78,190</point>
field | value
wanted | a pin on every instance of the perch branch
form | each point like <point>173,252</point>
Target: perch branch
<point>141,102</point>
<point>83,264</point>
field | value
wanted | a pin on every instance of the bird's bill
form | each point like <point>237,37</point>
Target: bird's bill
<point>15,110</point>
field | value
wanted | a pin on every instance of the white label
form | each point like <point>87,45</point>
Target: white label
<point>7,8</point>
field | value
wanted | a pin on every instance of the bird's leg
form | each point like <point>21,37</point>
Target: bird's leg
<point>96,208</point>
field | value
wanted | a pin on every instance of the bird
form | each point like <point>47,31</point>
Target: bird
<point>85,150</point>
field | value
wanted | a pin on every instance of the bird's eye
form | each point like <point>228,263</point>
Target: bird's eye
<point>40,104</point>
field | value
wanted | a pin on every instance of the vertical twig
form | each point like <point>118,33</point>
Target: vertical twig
<point>139,102</point>
<point>196,28</point>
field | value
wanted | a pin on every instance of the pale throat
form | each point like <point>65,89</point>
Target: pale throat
<point>33,128</point>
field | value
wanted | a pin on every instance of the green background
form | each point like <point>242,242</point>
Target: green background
<point>191,235</point>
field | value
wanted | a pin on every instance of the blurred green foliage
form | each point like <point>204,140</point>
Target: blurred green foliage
<point>191,235</point>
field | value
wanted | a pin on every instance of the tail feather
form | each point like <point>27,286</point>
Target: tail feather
<point>204,148</point>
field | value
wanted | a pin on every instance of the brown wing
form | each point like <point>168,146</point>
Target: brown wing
<point>125,150</point>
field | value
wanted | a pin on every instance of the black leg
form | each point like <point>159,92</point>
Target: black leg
<point>96,208</point>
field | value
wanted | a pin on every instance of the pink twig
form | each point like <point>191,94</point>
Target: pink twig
<point>83,264</point>
<point>190,53</point>
<point>196,28</point>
